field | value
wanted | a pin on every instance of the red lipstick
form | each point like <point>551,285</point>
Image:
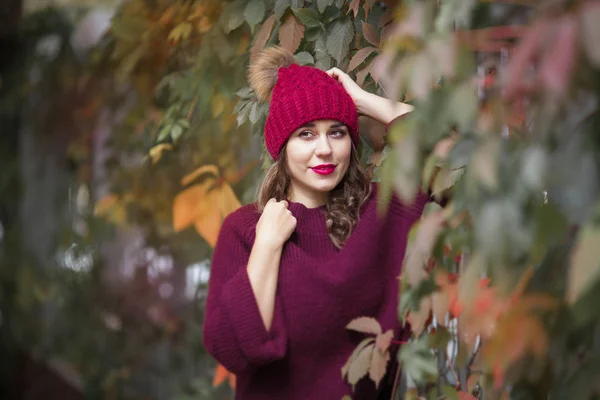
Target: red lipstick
<point>324,169</point>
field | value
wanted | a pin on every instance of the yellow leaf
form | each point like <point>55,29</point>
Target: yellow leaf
<point>208,226</point>
<point>197,12</point>
<point>180,32</point>
<point>157,151</point>
<point>585,264</point>
<point>243,45</point>
<point>185,206</point>
<point>112,208</point>
<point>218,105</point>
<point>205,169</point>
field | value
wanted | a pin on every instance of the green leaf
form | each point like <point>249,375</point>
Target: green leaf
<point>312,34</point>
<point>176,132</point>
<point>309,17</point>
<point>322,58</point>
<point>297,3</point>
<point>244,93</point>
<point>449,393</point>
<point>254,12</point>
<point>417,361</point>
<point>233,16</point>
<point>281,6</point>
<point>464,105</point>
<point>254,115</point>
<point>323,4</point>
<point>340,35</point>
<point>305,58</point>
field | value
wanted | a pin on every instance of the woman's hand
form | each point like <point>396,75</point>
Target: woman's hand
<point>358,94</point>
<point>369,104</point>
<point>275,225</point>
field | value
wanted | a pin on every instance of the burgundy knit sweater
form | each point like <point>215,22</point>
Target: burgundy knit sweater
<point>320,290</point>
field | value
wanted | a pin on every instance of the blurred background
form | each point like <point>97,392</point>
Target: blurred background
<point>128,132</point>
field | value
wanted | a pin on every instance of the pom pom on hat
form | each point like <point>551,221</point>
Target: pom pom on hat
<point>264,70</point>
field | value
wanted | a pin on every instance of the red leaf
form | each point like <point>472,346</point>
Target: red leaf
<point>557,66</point>
<point>365,325</point>
<point>386,18</point>
<point>221,374</point>
<point>466,396</point>
<point>291,33</point>
<point>263,35</point>
<point>371,34</point>
<point>360,57</point>
<point>354,7</point>
<point>524,54</point>
<point>362,74</point>
<point>367,7</point>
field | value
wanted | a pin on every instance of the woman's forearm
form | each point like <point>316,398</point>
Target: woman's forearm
<point>382,109</point>
<point>263,272</point>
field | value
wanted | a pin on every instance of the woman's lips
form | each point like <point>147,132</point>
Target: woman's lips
<point>324,169</point>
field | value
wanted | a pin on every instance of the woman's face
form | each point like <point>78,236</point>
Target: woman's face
<point>318,155</point>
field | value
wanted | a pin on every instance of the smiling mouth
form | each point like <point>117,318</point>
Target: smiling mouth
<point>324,169</point>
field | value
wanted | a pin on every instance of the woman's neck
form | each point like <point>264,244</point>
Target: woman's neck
<point>307,198</point>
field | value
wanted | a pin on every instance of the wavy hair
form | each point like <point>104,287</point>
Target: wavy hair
<point>344,202</point>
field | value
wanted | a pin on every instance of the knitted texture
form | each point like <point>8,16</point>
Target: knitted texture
<point>320,290</point>
<point>304,94</point>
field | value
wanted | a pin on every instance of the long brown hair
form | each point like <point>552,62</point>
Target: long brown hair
<point>343,203</point>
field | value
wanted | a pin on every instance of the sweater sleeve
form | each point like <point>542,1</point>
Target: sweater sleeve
<point>234,332</point>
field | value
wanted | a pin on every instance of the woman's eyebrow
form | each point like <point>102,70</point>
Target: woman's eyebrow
<point>337,126</point>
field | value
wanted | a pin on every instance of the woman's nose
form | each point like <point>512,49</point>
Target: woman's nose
<point>323,147</point>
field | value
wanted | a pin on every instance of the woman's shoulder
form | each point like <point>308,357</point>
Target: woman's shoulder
<point>243,220</point>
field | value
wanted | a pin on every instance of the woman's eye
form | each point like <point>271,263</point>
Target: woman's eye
<point>338,134</point>
<point>305,134</point>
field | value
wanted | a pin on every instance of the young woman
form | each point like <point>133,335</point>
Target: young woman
<point>292,270</point>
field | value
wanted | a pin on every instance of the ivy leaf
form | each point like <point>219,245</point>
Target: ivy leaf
<point>254,12</point>
<point>322,58</point>
<point>339,38</point>
<point>417,361</point>
<point>360,366</point>
<point>323,4</point>
<point>180,32</point>
<point>383,340</point>
<point>281,6</point>
<point>378,367</point>
<point>297,4</point>
<point>233,16</point>
<point>362,74</point>
<point>371,34</point>
<point>366,342</point>
<point>353,6</point>
<point>365,325</point>
<point>309,17</point>
<point>291,33</point>
<point>263,35</point>
<point>305,58</point>
<point>360,57</point>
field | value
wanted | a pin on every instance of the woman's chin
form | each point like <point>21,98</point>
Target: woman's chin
<point>324,185</point>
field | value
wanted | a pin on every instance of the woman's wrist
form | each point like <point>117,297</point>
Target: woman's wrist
<point>381,109</point>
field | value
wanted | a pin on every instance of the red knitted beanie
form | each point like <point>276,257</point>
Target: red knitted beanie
<point>301,94</point>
